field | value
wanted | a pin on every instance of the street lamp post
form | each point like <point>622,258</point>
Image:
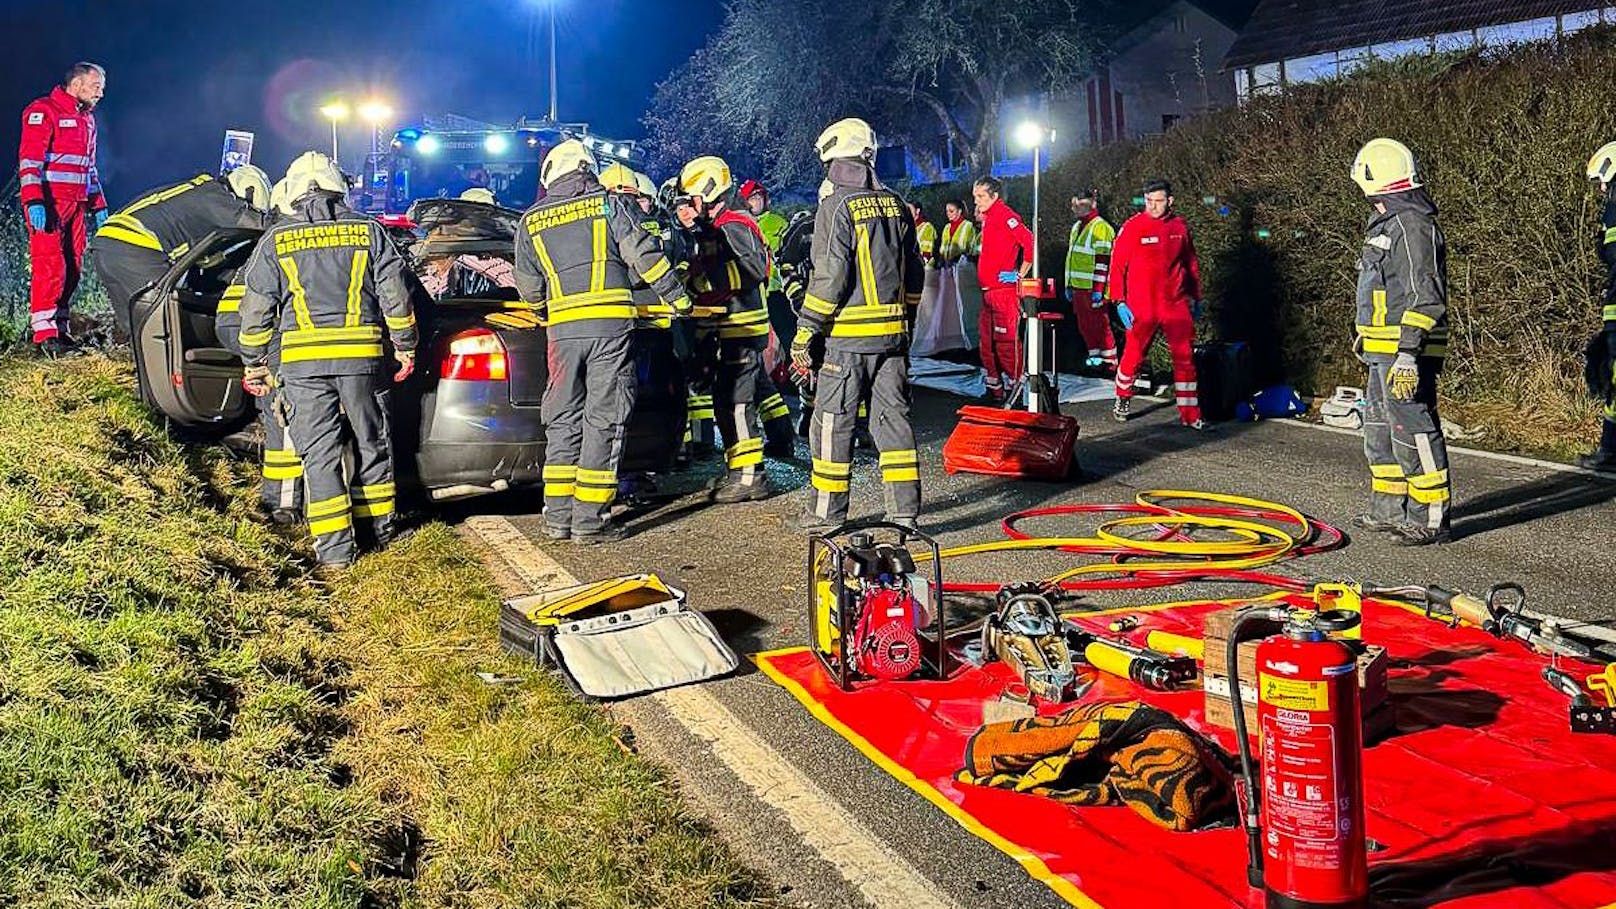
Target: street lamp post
<point>375,113</point>
<point>335,111</point>
<point>1042,385</point>
<point>552,5</point>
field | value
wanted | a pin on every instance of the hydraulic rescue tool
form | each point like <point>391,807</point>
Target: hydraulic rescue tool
<point>1502,614</point>
<point>1585,715</point>
<point>1149,668</point>
<point>1028,635</point>
<point>871,613</point>
<point>1305,820</point>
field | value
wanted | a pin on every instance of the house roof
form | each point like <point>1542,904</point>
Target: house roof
<point>1284,29</point>
<point>1144,19</point>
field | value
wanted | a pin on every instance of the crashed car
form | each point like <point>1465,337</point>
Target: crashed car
<point>468,422</point>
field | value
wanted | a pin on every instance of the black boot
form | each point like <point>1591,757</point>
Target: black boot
<point>1604,458</point>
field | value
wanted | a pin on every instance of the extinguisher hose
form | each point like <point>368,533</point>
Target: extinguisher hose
<point>1249,815</point>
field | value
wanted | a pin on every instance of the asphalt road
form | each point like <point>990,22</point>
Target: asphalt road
<point>744,566</point>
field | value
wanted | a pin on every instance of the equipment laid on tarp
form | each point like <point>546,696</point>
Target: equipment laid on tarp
<point>1011,443</point>
<point>616,638</point>
<point>1028,635</point>
<point>872,613</point>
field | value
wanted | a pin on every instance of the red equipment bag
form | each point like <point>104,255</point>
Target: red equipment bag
<point>1011,443</point>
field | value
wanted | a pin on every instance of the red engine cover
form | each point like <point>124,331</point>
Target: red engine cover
<point>1011,443</point>
<point>1312,772</point>
<point>885,644</point>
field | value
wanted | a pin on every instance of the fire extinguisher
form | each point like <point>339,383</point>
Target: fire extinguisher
<point>1305,821</point>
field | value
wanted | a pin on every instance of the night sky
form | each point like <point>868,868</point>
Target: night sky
<point>179,74</point>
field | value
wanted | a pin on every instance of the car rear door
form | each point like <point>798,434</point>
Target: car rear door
<point>189,375</point>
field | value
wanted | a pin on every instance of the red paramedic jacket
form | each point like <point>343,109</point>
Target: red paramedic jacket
<point>1153,263</point>
<point>56,158</point>
<point>1006,243</point>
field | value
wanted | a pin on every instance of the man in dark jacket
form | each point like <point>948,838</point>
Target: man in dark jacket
<point>1602,171</point>
<point>866,280</point>
<point>1402,326</point>
<point>328,283</point>
<point>136,246</point>
<point>578,254</point>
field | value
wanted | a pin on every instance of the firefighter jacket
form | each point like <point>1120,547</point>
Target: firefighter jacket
<point>168,220</point>
<point>1153,263</point>
<point>1607,255</point>
<point>926,237</point>
<point>1006,243</point>
<point>867,274</point>
<point>958,241</point>
<point>1403,279</point>
<point>650,307</point>
<point>1088,254</point>
<point>729,267</point>
<point>56,158</point>
<point>578,254</point>
<point>325,281</point>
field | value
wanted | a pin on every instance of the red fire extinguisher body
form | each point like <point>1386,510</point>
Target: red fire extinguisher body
<point>1312,774</point>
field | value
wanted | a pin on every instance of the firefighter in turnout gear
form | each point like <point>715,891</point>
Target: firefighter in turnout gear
<point>280,491</point>
<point>1602,172</point>
<point>1088,260</point>
<point>779,441</point>
<point>866,280</point>
<point>729,267</point>
<point>1402,337</point>
<point>136,246</point>
<point>328,285</point>
<point>578,254</point>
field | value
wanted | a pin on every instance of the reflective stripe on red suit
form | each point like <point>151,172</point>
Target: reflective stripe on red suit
<point>56,169</point>
<point>1006,244</point>
<point>1155,271</point>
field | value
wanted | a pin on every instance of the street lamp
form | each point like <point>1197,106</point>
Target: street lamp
<point>551,10</point>
<point>1043,395</point>
<point>375,113</point>
<point>335,111</point>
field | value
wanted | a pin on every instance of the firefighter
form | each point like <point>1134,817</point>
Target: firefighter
<point>1602,171</point>
<point>60,191</point>
<point>1155,280</point>
<point>1005,258</point>
<point>578,253</point>
<point>1402,337</point>
<point>137,244</point>
<point>280,491</point>
<point>327,284</point>
<point>1088,259</point>
<point>480,194</point>
<point>866,280</point>
<point>729,267</point>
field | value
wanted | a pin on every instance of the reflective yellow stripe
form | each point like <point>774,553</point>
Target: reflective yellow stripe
<point>900,474</point>
<point>656,271</point>
<point>329,526</point>
<point>280,456</point>
<point>833,468</point>
<point>814,304</point>
<point>255,338</point>
<point>550,276</point>
<point>300,336</point>
<point>327,507</point>
<point>1419,320</point>
<point>867,329</point>
<point>142,239</point>
<point>300,303</point>
<point>595,495</point>
<point>375,493</point>
<point>167,194</point>
<point>597,477</point>
<point>1386,471</point>
<point>282,471</point>
<point>1389,487</point>
<point>356,283</point>
<point>373,509</point>
<point>597,274</point>
<point>1429,480</point>
<point>745,453</point>
<point>866,266</point>
<point>1378,299</point>
<point>773,408</point>
<point>558,490</point>
<point>1428,496</point>
<point>400,323</point>
<point>904,458</point>
<point>1609,314</point>
<point>1610,235</point>
<point>331,352</point>
<point>228,303</point>
<point>560,471</point>
<point>732,270</point>
<point>824,484</point>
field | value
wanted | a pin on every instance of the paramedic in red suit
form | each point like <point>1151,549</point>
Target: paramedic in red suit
<point>60,192</point>
<point>1006,258</point>
<point>1156,283</point>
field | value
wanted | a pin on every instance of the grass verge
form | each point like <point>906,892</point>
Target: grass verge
<point>186,719</point>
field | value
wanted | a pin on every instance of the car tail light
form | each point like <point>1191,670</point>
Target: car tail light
<point>475,356</point>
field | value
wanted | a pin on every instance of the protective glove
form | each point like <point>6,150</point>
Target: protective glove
<point>1097,299</point>
<point>1195,309</point>
<point>682,306</point>
<point>406,364</point>
<point>1125,314</point>
<point>255,381</point>
<point>1404,379</point>
<point>97,218</point>
<point>1009,277</point>
<point>802,362</point>
<point>36,216</point>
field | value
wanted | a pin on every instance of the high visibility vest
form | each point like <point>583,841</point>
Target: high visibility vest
<point>1088,255</point>
<point>926,236</point>
<point>959,240</point>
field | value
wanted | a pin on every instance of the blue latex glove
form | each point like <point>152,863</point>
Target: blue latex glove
<point>1195,310</point>
<point>1009,277</point>
<point>36,216</point>
<point>1125,314</point>
<point>1097,299</point>
<point>97,219</point>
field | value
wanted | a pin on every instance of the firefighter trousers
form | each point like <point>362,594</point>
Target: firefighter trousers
<point>57,254</point>
<point>282,486</point>
<point>845,380</point>
<point>1177,323</point>
<point>124,270</point>
<point>326,412</point>
<point>775,413</point>
<point>586,408</point>
<point>999,331</point>
<point>1408,458</point>
<point>735,387</point>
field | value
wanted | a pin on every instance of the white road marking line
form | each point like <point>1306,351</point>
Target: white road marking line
<point>836,835</point>
<point>1455,449</point>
